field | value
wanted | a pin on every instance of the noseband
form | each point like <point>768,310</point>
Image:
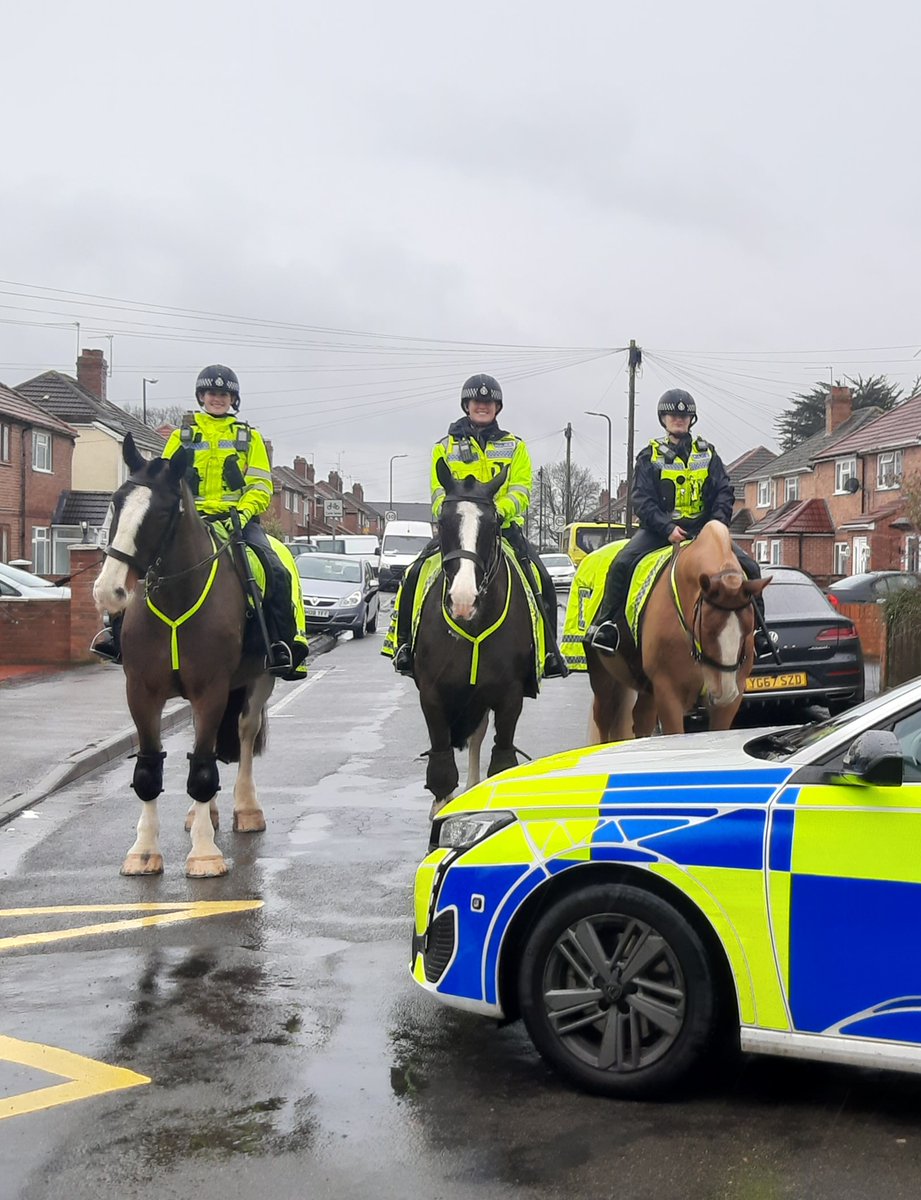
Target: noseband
<point>694,631</point>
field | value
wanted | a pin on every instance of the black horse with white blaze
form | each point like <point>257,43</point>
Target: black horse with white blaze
<point>474,649</point>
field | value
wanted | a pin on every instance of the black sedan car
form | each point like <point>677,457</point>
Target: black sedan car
<point>821,661</point>
<point>340,593</point>
<point>871,587</point>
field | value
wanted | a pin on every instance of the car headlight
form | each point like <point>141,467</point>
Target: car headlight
<point>466,829</point>
<point>351,600</point>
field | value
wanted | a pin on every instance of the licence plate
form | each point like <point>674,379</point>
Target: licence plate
<point>317,612</point>
<point>773,683</point>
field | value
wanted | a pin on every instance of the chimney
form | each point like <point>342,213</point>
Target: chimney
<point>300,467</point>
<point>358,492</point>
<point>604,502</point>
<point>269,449</point>
<point>335,482</point>
<point>91,372</point>
<point>839,404</point>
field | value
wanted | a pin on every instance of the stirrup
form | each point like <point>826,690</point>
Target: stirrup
<point>553,669</point>
<point>403,660</point>
<point>604,637</point>
<point>762,644</point>
<point>279,661</point>
<point>104,645</point>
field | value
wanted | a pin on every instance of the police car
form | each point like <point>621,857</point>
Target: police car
<point>636,902</point>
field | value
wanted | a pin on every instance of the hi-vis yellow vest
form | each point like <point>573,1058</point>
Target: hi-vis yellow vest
<point>688,480</point>
<point>465,456</point>
<point>231,465</point>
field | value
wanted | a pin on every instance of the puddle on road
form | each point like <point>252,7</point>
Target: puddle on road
<point>312,827</point>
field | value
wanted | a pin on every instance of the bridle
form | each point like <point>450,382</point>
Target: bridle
<point>487,569</point>
<point>694,631</point>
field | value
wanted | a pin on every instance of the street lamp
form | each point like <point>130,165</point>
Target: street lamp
<point>610,439</point>
<point>392,457</point>
<point>144,383</point>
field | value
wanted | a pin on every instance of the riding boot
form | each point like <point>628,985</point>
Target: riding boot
<point>403,657</point>
<point>403,660</point>
<point>107,643</point>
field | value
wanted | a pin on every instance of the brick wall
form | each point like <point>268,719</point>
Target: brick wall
<point>10,489</point>
<point>85,621</point>
<point>34,632</point>
<point>871,626</point>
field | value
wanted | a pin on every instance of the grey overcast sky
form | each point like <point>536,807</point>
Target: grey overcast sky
<point>515,187</point>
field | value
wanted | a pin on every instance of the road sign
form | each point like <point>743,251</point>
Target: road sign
<point>390,515</point>
<point>332,508</point>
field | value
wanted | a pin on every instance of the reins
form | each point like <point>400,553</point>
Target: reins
<point>489,572</point>
<point>694,631</point>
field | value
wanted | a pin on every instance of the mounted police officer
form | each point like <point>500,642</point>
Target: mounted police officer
<point>230,470</point>
<point>475,445</point>
<point>679,484</point>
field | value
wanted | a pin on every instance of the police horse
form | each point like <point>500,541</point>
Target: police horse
<point>695,641</point>
<point>185,617</point>
<point>474,650</point>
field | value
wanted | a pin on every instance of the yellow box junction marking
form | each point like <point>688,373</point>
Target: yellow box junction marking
<point>85,1077</point>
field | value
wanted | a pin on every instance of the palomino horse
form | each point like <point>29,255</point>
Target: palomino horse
<point>183,634</point>
<point>474,652</point>
<point>696,637</point>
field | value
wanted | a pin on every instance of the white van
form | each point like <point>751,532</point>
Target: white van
<point>361,545</point>
<point>401,542</point>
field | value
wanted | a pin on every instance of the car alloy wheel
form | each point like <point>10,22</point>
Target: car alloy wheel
<point>616,991</point>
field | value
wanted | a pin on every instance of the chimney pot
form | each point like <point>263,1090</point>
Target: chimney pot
<point>91,372</point>
<point>839,405</point>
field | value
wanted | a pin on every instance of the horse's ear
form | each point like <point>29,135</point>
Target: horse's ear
<point>754,587</point>
<point>179,464</point>
<point>705,583</point>
<point>445,478</point>
<point>496,482</point>
<point>134,460</point>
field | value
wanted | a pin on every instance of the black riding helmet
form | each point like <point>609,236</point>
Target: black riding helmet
<point>676,401</point>
<point>481,385</point>
<point>217,378</point>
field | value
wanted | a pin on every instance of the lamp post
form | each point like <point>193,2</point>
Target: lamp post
<point>144,383</point>
<point>392,457</point>
<point>610,439</point>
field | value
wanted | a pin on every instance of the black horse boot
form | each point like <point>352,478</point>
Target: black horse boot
<point>403,660</point>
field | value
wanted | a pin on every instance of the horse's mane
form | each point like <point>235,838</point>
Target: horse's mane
<point>710,553</point>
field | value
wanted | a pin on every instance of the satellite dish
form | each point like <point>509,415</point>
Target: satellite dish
<point>852,485</point>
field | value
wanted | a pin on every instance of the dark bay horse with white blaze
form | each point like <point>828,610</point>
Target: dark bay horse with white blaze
<point>696,637</point>
<point>474,652</point>
<point>183,635</point>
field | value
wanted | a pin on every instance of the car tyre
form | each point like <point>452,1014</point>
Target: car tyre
<point>372,624</point>
<point>359,630</point>
<point>643,1008</point>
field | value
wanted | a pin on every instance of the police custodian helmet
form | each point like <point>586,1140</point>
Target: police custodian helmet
<point>677,402</point>
<point>217,378</point>
<point>481,385</point>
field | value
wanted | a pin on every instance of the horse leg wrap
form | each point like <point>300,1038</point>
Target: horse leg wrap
<point>441,773</point>
<point>148,775</point>
<point>501,760</point>
<point>204,780</point>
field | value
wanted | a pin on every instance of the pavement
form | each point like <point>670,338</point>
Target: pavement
<point>57,726</point>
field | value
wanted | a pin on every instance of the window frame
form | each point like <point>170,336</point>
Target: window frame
<point>6,442</point>
<point>841,474</point>
<point>841,558</point>
<point>767,485</point>
<point>791,488</point>
<point>776,553</point>
<point>760,551</point>
<point>41,550</point>
<point>41,437</point>
<point>895,475</point>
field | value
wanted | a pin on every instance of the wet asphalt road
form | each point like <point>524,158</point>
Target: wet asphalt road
<point>291,1055</point>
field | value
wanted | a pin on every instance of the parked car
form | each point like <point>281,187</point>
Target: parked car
<point>340,592</point>
<point>17,584</point>
<point>638,902</point>
<point>871,587</point>
<point>560,568</point>
<point>821,660</point>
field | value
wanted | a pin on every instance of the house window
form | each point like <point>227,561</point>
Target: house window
<point>889,469</point>
<point>842,554</point>
<point>4,543</point>
<point>913,554</point>
<point>764,493</point>
<point>761,552</point>
<point>287,499</point>
<point>845,468</point>
<point>41,454</point>
<point>41,551</point>
<point>6,434</point>
<point>62,538</point>
<point>776,553</point>
<point>791,488</point>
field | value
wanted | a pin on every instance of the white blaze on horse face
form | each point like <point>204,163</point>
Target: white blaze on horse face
<point>729,650</point>
<point>463,589</point>
<point>110,591</point>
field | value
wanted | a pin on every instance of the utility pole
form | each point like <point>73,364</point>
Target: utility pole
<point>567,504</point>
<point>610,440</point>
<point>634,360</point>
<point>540,502</point>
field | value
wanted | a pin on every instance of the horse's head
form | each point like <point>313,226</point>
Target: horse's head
<point>469,532</point>
<point>145,510</point>
<point>724,622</point>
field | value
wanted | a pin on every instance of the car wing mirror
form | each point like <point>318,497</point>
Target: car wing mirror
<point>873,758</point>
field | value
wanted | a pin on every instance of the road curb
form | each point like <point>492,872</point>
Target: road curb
<point>118,745</point>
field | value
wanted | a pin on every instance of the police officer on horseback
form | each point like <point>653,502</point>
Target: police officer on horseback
<point>679,484</point>
<point>230,470</point>
<point>475,445</point>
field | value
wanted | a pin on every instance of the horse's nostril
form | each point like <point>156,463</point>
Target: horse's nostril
<point>120,593</point>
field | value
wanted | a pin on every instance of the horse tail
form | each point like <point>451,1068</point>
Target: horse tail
<point>228,734</point>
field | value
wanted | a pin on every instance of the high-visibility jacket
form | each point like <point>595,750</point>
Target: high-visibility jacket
<point>465,456</point>
<point>230,468</point>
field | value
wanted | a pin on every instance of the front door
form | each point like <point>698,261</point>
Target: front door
<point>860,556</point>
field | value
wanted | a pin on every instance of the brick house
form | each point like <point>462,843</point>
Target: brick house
<point>36,457</point>
<point>832,505</point>
<point>100,424</point>
<point>357,516</point>
<point>298,503</point>
<point>738,470</point>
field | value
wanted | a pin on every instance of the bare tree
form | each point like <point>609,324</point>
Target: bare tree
<point>170,414</point>
<point>551,481</point>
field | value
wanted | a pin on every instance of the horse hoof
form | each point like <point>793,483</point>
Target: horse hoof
<point>215,820</point>
<point>249,822</point>
<point>209,866</point>
<point>143,864</point>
